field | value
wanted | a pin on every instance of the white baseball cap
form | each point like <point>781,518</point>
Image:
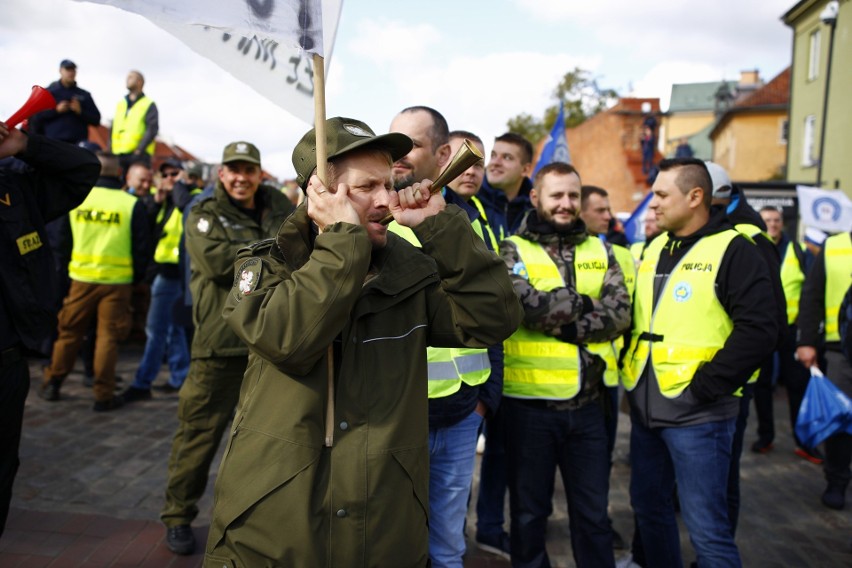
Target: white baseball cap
<point>721,180</point>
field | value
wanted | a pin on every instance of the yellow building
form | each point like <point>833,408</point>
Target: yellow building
<point>821,88</point>
<point>694,107</point>
<point>750,138</point>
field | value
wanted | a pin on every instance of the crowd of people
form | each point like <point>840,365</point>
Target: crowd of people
<point>359,329</point>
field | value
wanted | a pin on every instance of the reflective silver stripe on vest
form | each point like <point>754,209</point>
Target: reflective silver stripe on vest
<point>441,371</point>
<point>473,362</point>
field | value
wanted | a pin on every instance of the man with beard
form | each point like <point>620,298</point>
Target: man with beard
<point>328,461</point>
<point>573,293</point>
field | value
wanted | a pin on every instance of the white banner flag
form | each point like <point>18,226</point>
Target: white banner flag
<point>260,42</point>
<point>829,210</point>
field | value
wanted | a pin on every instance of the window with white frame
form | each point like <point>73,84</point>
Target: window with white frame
<point>783,131</point>
<point>813,55</point>
<point>808,145</point>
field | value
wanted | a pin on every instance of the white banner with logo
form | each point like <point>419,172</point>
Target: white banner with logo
<point>828,210</point>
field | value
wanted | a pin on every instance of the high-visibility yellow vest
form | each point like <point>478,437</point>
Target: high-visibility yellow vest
<point>128,126</point>
<point>100,226</point>
<point>792,279</point>
<point>540,366</point>
<point>474,200</point>
<point>168,247</point>
<point>628,267</point>
<point>688,324</point>
<point>838,276</point>
<point>449,367</point>
<point>636,250</point>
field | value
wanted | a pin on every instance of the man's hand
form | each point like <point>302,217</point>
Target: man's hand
<point>63,106</point>
<point>410,206</point>
<point>74,105</point>
<point>326,208</point>
<point>12,141</point>
<point>807,356</point>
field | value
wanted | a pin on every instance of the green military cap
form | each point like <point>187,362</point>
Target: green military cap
<point>343,135</point>
<point>241,152</point>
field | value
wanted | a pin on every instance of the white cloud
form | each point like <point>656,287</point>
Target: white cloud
<point>384,41</point>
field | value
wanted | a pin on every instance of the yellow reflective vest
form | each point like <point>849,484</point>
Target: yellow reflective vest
<point>474,200</point>
<point>100,226</point>
<point>128,126</point>
<point>168,247</point>
<point>792,278</point>
<point>539,366</point>
<point>838,276</point>
<point>688,324</point>
<point>449,367</point>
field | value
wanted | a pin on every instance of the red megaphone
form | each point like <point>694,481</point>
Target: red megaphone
<point>40,99</point>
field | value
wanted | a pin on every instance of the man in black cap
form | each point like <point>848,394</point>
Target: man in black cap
<point>328,460</point>
<point>240,212</point>
<point>75,109</point>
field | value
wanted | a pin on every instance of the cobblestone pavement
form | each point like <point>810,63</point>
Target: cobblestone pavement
<point>91,485</point>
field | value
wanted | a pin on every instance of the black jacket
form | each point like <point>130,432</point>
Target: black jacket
<point>502,213</point>
<point>67,126</point>
<point>739,212</point>
<point>743,287</point>
<point>59,178</point>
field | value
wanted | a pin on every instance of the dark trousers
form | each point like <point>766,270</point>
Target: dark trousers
<point>838,447</point>
<point>538,441</point>
<point>491,501</point>
<point>763,391</point>
<point>736,454</point>
<point>206,405</point>
<point>14,386</point>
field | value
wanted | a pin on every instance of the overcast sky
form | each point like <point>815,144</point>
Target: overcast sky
<point>479,62</point>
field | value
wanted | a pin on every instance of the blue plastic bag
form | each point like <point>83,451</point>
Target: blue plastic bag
<point>825,410</point>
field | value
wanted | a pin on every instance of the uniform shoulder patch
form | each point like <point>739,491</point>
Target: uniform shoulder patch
<point>247,277</point>
<point>203,224</point>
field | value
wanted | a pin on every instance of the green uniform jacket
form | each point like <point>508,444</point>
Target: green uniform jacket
<point>284,498</point>
<point>215,231</point>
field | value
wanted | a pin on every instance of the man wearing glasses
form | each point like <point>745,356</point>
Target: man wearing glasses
<point>164,337</point>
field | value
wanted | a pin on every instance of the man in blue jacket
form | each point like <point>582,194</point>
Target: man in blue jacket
<point>75,109</point>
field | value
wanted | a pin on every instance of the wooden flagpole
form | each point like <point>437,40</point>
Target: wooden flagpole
<point>322,160</point>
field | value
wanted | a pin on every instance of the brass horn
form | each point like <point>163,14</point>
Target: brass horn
<point>466,156</point>
<point>40,99</point>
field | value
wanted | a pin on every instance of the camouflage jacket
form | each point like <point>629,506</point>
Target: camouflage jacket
<point>563,312</point>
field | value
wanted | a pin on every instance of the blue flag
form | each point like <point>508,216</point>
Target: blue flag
<point>556,147</point>
<point>634,227</point>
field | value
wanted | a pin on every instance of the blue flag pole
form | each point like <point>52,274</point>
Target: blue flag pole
<point>634,227</point>
<point>556,147</point>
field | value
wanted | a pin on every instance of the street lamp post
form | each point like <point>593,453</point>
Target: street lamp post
<point>829,17</point>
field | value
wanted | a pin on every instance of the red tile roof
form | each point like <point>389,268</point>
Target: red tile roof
<point>775,92</point>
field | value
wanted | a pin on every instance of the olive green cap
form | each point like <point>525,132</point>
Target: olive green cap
<point>241,152</point>
<point>343,135</point>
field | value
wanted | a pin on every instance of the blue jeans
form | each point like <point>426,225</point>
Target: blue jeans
<point>698,457</point>
<point>452,455</point>
<point>538,440</point>
<point>163,337</point>
<point>492,478</point>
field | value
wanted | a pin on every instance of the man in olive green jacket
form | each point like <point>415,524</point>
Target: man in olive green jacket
<point>327,463</point>
<point>239,212</point>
